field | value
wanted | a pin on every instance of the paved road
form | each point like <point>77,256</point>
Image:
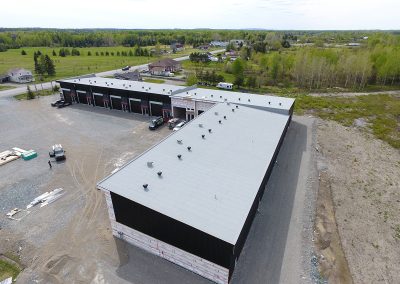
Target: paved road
<point>21,90</point>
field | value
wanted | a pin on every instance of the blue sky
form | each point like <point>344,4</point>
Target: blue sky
<point>224,14</point>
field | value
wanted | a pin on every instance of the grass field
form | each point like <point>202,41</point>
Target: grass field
<point>379,113</point>
<point>24,96</point>
<point>70,66</point>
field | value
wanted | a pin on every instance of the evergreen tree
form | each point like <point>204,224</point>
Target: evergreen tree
<point>89,53</point>
<point>49,66</point>
<point>130,53</point>
<point>97,53</point>
<point>23,52</point>
<point>54,53</point>
<point>118,53</point>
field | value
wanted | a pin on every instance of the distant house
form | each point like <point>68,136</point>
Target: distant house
<point>131,76</point>
<point>4,78</point>
<point>164,67</point>
<point>354,44</point>
<point>237,42</point>
<point>218,43</point>
<point>177,46</point>
<point>203,47</point>
<point>20,75</point>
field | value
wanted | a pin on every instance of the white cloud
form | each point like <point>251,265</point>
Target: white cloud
<point>268,14</point>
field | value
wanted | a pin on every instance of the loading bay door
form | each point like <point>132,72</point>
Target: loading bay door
<point>98,100</point>
<point>116,102</point>
<point>135,105</point>
<point>156,108</point>
<point>82,97</point>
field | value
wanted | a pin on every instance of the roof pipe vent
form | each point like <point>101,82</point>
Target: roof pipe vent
<point>216,113</point>
<point>203,136</point>
<point>224,116</point>
<point>280,104</point>
<point>220,97</point>
<point>233,110</point>
<point>219,121</point>
<point>150,164</point>
<point>179,141</point>
<point>212,95</point>
<point>248,100</point>
<point>145,186</point>
<point>179,156</point>
<point>237,106</point>
<point>159,173</point>
<point>239,99</point>
<point>209,130</point>
<point>189,148</point>
<point>200,125</point>
<point>269,103</point>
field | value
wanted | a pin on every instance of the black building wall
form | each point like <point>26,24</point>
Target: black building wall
<point>110,91</point>
<point>171,231</point>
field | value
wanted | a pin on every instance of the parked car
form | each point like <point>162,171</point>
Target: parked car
<point>172,123</point>
<point>126,68</point>
<point>63,104</point>
<point>57,152</point>
<point>155,123</point>
<point>179,125</point>
<point>56,103</point>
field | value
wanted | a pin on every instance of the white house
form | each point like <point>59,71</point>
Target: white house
<point>20,75</point>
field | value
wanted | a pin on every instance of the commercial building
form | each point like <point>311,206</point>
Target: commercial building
<point>191,199</point>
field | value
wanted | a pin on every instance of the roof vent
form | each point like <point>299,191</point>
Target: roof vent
<point>145,186</point>
<point>280,104</point>
<point>203,136</point>
<point>112,83</point>
<point>233,110</point>
<point>130,85</point>
<point>189,148</point>
<point>163,90</point>
<point>159,173</point>
<point>237,106</point>
<point>224,116</point>
<point>219,121</point>
<point>220,97</point>
<point>142,87</point>
<point>239,99</point>
<point>150,164</point>
<point>187,93</point>
<point>216,113</point>
<point>95,81</point>
<point>179,141</point>
<point>212,95</point>
<point>225,100</point>
<point>248,100</point>
<point>200,125</point>
<point>269,103</point>
<point>179,156</point>
<point>228,103</point>
<point>209,130</point>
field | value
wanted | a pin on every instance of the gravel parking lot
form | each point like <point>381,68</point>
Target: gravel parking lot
<point>69,241</point>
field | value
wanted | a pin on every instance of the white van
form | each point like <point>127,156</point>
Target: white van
<point>227,86</point>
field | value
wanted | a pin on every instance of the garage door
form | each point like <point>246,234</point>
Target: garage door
<point>156,108</point>
<point>116,103</point>
<point>82,98</point>
<point>98,100</point>
<point>67,96</point>
<point>135,106</point>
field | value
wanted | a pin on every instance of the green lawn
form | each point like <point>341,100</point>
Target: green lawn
<point>6,87</point>
<point>70,66</point>
<point>8,270</point>
<point>152,80</point>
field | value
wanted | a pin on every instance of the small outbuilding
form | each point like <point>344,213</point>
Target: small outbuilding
<point>20,75</point>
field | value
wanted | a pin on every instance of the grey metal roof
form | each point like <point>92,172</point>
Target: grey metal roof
<point>213,186</point>
<point>267,102</point>
<point>162,89</point>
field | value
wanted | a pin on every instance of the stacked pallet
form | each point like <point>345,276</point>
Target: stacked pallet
<point>7,156</point>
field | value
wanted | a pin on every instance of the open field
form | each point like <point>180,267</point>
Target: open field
<point>71,66</point>
<point>378,114</point>
<point>5,87</point>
